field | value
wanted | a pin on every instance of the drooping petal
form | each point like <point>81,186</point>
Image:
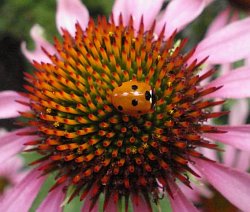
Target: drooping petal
<point>231,183</point>
<point>146,8</point>
<point>225,68</point>
<point>53,200</point>
<point>2,131</point>
<point>179,202</point>
<point>236,84</point>
<point>236,117</point>
<point>120,8</point>
<point>11,169</point>
<point>179,13</point>
<point>220,21</point>
<point>22,196</point>
<point>209,153</point>
<point>247,61</point>
<point>236,136</point>
<point>11,144</point>
<point>229,44</point>
<point>9,137</point>
<point>191,194</point>
<point>236,158</point>
<point>141,205</point>
<point>9,107</point>
<point>243,161</point>
<point>11,166</point>
<point>37,54</point>
<point>68,13</point>
<point>87,205</point>
<point>229,155</point>
<point>198,190</point>
<point>111,205</point>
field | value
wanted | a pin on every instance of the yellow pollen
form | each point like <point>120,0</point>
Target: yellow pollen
<point>111,34</point>
<point>56,124</point>
<point>171,112</point>
<point>133,150</point>
<point>145,145</point>
<point>48,110</point>
<point>169,84</point>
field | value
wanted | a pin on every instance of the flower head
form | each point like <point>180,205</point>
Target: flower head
<point>89,131</point>
<point>93,144</point>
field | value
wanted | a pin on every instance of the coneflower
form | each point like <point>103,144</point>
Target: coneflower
<point>118,110</point>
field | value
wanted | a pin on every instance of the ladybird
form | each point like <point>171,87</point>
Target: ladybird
<point>133,98</point>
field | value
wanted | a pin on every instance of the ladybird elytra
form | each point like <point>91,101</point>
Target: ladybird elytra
<point>133,98</point>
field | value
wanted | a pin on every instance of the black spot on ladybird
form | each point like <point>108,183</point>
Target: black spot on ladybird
<point>134,87</point>
<point>147,95</point>
<point>139,111</point>
<point>120,108</point>
<point>134,102</point>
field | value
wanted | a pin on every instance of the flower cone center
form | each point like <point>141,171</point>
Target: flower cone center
<point>95,147</point>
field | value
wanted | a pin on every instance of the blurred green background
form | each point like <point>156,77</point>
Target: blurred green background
<point>18,16</point>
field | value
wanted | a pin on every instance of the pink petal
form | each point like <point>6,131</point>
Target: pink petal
<point>69,12</point>
<point>2,131</point>
<point>225,68</point>
<point>231,183</point>
<point>146,8</point>
<point>87,205</point>
<point>243,161</point>
<point>11,166</point>
<point>179,202</point>
<point>236,136</point>
<point>227,45</point>
<point>9,107</point>
<point>179,13</point>
<point>141,206</point>
<point>111,206</point>
<point>233,157</point>
<point>198,190</point>
<point>53,200</point>
<point>120,7</point>
<point>229,155</point>
<point>247,61</point>
<point>37,54</point>
<point>88,202</point>
<point>9,137</point>
<point>11,144</point>
<point>191,194</point>
<point>23,195</point>
<point>209,153</point>
<point>236,84</point>
<point>236,117</point>
<point>11,170</point>
<point>220,21</point>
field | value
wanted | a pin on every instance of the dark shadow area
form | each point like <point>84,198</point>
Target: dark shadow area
<point>12,65</point>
